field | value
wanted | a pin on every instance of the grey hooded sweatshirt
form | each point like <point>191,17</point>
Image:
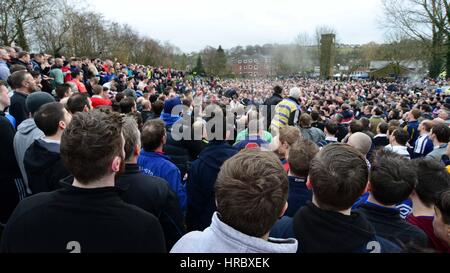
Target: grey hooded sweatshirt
<point>27,133</point>
<point>221,238</point>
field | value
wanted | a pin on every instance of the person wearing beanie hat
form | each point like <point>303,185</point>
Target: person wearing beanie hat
<point>36,100</point>
<point>295,93</point>
<point>287,112</point>
<point>27,133</point>
<point>167,115</point>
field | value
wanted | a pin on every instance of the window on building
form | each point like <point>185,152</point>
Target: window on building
<point>245,61</point>
<point>250,61</point>
<point>250,67</point>
<point>255,61</point>
<point>240,67</point>
<point>256,67</point>
<point>240,61</point>
<point>245,67</point>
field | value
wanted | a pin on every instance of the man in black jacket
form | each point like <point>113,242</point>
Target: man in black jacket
<point>42,160</point>
<point>9,170</point>
<point>272,102</point>
<point>88,216</point>
<point>392,181</point>
<point>23,84</point>
<point>150,193</point>
<point>203,174</point>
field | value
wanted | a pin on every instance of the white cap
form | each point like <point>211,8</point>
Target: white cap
<point>295,93</point>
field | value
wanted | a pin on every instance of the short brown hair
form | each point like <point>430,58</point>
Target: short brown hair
<point>416,113</point>
<point>301,154</point>
<point>90,143</point>
<point>97,89</point>
<point>153,133</point>
<point>290,135</point>
<point>251,192</point>
<point>443,204</point>
<point>339,175</point>
<point>305,120</point>
<point>428,125</point>
<point>356,126</point>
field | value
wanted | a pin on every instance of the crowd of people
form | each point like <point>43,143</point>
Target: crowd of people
<point>99,156</point>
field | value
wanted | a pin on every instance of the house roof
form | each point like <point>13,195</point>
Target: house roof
<point>411,65</point>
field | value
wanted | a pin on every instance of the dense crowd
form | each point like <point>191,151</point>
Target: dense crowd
<point>99,156</point>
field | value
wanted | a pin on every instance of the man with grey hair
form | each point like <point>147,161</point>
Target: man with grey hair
<point>287,112</point>
<point>4,70</point>
<point>150,193</point>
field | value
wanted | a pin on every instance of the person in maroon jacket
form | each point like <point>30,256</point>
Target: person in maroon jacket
<point>433,179</point>
<point>441,223</point>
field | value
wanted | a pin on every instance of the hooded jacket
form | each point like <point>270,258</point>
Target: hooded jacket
<point>201,181</point>
<point>44,166</point>
<point>221,238</point>
<point>320,231</point>
<point>27,133</point>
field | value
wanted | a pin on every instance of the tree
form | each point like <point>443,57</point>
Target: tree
<point>199,69</point>
<point>16,16</point>
<point>221,63</point>
<point>423,20</point>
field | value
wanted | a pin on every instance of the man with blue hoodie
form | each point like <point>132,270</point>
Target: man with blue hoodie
<point>153,162</point>
<point>203,173</point>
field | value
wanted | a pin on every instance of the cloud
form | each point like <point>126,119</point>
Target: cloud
<point>192,25</point>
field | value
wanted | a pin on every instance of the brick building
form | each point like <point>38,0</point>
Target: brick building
<point>254,66</point>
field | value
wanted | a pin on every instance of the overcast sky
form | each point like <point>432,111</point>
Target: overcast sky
<point>192,25</point>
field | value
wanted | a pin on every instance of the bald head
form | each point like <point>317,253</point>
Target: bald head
<point>361,142</point>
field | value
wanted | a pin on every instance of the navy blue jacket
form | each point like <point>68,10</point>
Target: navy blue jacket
<point>320,231</point>
<point>201,181</point>
<point>413,131</point>
<point>299,195</point>
<point>388,224</point>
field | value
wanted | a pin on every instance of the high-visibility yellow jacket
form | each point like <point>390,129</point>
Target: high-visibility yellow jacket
<point>287,113</point>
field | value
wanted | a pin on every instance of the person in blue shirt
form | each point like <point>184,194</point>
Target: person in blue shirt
<point>4,70</point>
<point>153,162</point>
<point>300,156</point>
